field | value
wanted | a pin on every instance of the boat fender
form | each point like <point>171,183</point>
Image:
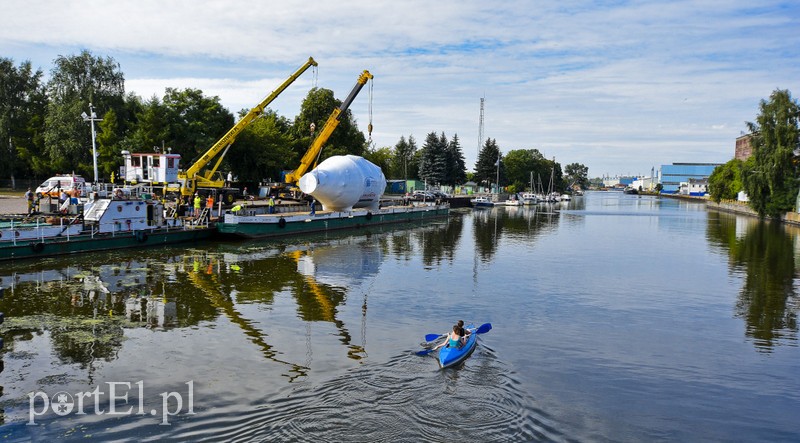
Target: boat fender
<point>282,223</point>
<point>37,247</point>
<point>369,215</point>
<point>141,236</point>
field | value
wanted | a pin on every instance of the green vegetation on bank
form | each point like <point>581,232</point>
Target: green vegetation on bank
<point>771,176</point>
<point>43,133</point>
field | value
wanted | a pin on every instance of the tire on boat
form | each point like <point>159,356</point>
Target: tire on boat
<point>228,198</point>
<point>369,215</point>
<point>141,236</point>
<point>282,223</point>
<point>37,247</point>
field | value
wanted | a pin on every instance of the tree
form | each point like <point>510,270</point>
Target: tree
<point>404,164</point>
<point>726,181</point>
<point>381,157</point>
<point>108,145</point>
<point>22,106</point>
<point>486,166</point>
<point>261,149</point>
<point>75,82</point>
<point>577,174</point>
<point>151,127</point>
<point>433,163</point>
<point>456,172</point>
<point>770,175</point>
<point>195,122</point>
<point>525,165</point>
<point>317,108</point>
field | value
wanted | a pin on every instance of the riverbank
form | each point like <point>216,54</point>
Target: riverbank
<point>736,207</point>
<point>741,208</point>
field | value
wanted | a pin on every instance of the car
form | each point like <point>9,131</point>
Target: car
<point>423,195</point>
<point>53,185</point>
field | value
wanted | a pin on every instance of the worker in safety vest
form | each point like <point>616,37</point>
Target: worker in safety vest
<point>197,202</point>
<point>271,204</point>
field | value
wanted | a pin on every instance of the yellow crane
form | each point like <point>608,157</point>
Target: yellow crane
<point>333,121</point>
<point>196,178</point>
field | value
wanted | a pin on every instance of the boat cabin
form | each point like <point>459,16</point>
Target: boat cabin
<point>150,167</point>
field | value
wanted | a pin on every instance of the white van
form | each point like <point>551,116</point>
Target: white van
<point>53,185</point>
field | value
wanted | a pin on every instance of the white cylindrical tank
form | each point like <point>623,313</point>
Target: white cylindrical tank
<point>344,182</point>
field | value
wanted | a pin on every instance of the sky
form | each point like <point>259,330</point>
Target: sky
<point>618,86</point>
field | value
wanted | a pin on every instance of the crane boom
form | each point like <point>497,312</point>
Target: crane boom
<point>192,176</point>
<point>327,130</point>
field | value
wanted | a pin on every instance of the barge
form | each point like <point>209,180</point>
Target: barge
<point>250,225</point>
<point>106,224</point>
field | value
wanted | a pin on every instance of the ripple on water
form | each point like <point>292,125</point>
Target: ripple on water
<point>405,399</point>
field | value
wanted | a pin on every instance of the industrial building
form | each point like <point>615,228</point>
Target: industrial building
<point>673,175</point>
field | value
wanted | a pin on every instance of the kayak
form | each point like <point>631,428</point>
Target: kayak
<point>452,356</point>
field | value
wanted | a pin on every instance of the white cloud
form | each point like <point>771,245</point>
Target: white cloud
<point>618,87</point>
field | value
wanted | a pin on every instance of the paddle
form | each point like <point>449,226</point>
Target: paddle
<point>432,337</point>
<point>482,329</point>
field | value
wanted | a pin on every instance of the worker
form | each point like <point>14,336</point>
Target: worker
<point>313,206</point>
<point>230,178</point>
<point>197,202</point>
<point>271,204</point>
<point>29,198</point>
<point>210,202</point>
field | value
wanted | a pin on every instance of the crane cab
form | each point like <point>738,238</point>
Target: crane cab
<point>152,167</point>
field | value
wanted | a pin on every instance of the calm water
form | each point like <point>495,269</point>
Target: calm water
<point>615,318</point>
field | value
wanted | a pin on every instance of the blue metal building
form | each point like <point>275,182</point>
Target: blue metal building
<point>673,175</point>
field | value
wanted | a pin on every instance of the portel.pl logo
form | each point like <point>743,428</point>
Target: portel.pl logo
<point>115,403</point>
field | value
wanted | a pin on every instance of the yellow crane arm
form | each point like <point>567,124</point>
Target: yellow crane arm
<point>327,130</point>
<point>230,136</point>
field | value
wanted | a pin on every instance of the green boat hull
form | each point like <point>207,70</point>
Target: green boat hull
<point>271,226</point>
<point>101,242</point>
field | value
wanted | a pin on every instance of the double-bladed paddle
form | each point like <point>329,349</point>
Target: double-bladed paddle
<point>482,329</point>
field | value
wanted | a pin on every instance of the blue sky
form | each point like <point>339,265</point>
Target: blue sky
<point>619,86</point>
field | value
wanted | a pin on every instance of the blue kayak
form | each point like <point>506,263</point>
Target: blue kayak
<point>452,356</point>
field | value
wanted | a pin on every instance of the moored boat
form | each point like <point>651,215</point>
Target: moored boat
<point>107,224</point>
<point>481,202</point>
<point>529,198</point>
<point>452,356</point>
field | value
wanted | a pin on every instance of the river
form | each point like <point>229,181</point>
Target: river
<point>614,318</point>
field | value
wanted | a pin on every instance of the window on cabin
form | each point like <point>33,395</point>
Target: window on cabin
<point>170,163</point>
<point>136,162</point>
<point>156,162</point>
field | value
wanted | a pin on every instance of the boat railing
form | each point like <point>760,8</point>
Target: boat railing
<point>43,230</point>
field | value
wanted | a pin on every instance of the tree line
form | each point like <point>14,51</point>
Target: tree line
<point>42,132</point>
<point>771,175</point>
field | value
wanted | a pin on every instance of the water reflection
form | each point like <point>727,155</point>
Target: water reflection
<point>490,226</point>
<point>85,308</point>
<point>764,253</point>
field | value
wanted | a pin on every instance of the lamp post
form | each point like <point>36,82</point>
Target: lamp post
<point>498,174</point>
<point>91,118</point>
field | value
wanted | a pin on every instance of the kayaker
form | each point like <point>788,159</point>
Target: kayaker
<point>463,332</point>
<point>454,339</point>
